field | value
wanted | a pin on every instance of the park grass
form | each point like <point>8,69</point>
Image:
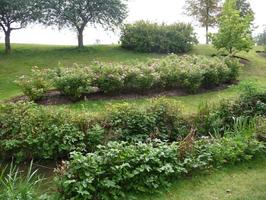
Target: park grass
<point>244,181</point>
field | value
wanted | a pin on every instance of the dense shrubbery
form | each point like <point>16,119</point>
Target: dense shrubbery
<point>161,38</point>
<point>29,131</point>
<point>113,170</point>
<point>187,72</point>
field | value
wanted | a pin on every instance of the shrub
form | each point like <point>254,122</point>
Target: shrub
<point>189,73</point>
<point>29,131</point>
<point>74,82</point>
<point>35,85</point>
<point>118,168</point>
<point>160,38</point>
<point>162,119</point>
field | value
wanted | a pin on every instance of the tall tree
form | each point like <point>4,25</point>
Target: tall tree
<point>77,14</point>
<point>16,14</point>
<point>205,11</point>
<point>235,31</point>
<point>244,7</point>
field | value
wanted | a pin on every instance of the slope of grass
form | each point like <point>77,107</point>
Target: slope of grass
<point>241,182</point>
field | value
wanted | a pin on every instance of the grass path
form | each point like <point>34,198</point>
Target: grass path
<point>245,181</point>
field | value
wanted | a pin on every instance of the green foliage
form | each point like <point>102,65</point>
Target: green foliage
<point>235,31</point>
<point>261,39</point>
<point>118,168</point>
<point>160,38</point>
<point>162,119</point>
<point>73,82</point>
<point>190,73</point>
<point>17,186</point>
<point>16,15</point>
<point>78,14</point>
<point>36,84</point>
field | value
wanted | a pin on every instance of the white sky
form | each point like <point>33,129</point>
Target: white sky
<point>168,11</point>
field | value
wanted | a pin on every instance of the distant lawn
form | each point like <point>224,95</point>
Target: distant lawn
<point>24,57</point>
<point>245,181</point>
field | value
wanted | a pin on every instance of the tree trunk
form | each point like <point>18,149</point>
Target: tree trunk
<point>7,42</point>
<point>207,34</point>
<point>80,38</point>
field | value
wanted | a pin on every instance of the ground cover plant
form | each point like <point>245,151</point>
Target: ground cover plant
<point>187,72</point>
<point>145,36</point>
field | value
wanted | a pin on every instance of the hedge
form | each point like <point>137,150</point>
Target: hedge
<point>190,73</point>
<point>30,131</point>
<point>159,38</point>
<point>114,170</point>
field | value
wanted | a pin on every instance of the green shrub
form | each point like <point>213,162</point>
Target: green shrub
<point>74,82</point>
<point>189,73</point>
<point>35,85</point>
<point>29,131</point>
<point>162,119</point>
<point>160,38</point>
<point>118,168</point>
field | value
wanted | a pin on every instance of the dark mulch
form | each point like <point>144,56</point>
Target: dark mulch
<point>54,97</point>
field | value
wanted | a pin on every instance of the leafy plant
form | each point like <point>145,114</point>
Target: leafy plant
<point>161,38</point>
<point>16,186</point>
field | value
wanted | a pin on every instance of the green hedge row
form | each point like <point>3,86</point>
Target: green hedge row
<point>160,38</point>
<point>30,131</point>
<point>114,170</point>
<point>186,72</point>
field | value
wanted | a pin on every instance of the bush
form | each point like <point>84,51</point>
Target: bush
<point>74,82</point>
<point>160,38</point>
<point>36,85</point>
<point>190,73</point>
<point>118,168</point>
<point>29,131</point>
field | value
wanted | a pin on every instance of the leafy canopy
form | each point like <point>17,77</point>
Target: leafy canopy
<point>234,30</point>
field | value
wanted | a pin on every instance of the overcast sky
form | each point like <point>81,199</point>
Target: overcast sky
<point>168,11</point>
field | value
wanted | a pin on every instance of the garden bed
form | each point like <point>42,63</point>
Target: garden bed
<point>54,97</point>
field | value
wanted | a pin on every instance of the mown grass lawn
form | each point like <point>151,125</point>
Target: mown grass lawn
<point>245,181</point>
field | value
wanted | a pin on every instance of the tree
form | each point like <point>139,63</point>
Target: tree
<point>205,11</point>
<point>244,7</point>
<point>16,14</point>
<point>261,39</point>
<point>77,14</point>
<point>235,31</point>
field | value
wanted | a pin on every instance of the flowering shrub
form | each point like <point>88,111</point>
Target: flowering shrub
<point>161,38</point>
<point>189,73</point>
<point>36,84</point>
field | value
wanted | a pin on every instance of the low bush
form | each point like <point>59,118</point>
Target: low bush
<point>118,168</point>
<point>35,85</point>
<point>160,38</point>
<point>30,131</point>
<point>189,73</point>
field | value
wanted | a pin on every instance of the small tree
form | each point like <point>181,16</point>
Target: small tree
<point>205,11</point>
<point>16,14</point>
<point>235,31</point>
<point>77,14</point>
